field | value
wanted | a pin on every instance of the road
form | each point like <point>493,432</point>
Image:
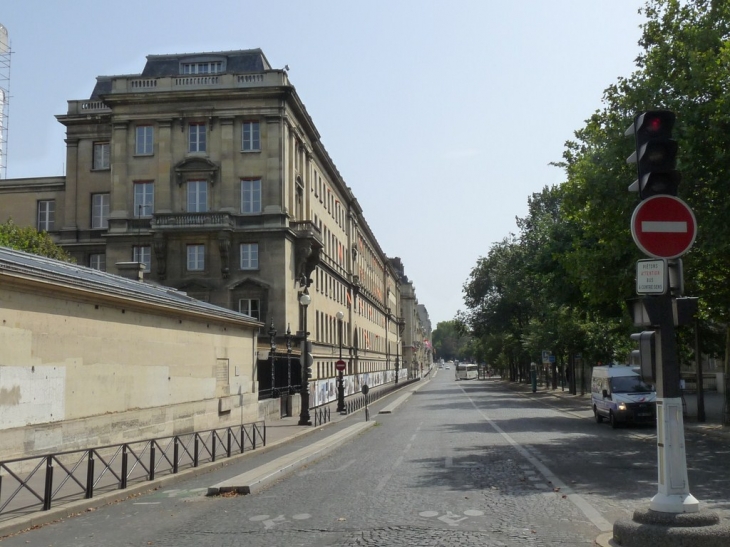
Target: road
<point>459,463</point>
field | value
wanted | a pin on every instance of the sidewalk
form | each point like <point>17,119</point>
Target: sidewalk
<point>278,434</point>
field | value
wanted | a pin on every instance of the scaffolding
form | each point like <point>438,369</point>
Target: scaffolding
<point>5,52</point>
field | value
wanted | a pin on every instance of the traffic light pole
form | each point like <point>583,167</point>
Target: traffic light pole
<point>673,494</point>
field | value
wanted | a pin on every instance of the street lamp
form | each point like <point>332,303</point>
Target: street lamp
<point>304,419</point>
<point>288,358</point>
<point>341,388</point>
<point>272,337</point>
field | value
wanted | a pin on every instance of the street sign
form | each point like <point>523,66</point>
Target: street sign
<point>340,365</point>
<point>651,276</point>
<point>663,226</point>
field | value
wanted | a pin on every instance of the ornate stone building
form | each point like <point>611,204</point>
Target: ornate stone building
<point>208,169</point>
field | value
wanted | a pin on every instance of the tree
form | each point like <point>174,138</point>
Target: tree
<point>32,241</point>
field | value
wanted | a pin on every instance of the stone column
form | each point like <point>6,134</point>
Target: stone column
<point>70,220</point>
<point>120,191</point>
<point>165,181</point>
<point>227,199</point>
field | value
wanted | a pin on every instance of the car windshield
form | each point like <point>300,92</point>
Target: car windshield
<point>629,384</point>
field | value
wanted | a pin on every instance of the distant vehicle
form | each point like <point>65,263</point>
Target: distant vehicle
<point>447,367</point>
<point>466,371</point>
<point>619,395</point>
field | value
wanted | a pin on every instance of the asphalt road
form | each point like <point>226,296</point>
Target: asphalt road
<point>459,463</point>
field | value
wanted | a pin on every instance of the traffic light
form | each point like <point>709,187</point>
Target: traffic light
<point>655,155</point>
<point>645,356</point>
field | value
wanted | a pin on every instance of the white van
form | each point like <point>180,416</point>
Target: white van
<point>621,396</point>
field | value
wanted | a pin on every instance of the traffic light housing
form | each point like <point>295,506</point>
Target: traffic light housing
<point>655,155</point>
<point>645,356</point>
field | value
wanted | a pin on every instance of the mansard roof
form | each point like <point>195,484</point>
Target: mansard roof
<point>158,66</point>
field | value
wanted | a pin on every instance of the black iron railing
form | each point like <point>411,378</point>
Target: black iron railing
<point>35,483</point>
<point>321,415</point>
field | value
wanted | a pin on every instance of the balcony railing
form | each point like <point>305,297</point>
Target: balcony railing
<point>184,220</point>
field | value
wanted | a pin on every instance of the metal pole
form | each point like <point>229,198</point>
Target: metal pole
<point>304,418</point>
<point>272,336</point>
<point>341,387</point>
<point>288,359</point>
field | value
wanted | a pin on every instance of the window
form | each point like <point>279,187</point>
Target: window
<point>249,256</point>
<point>101,155</point>
<point>97,261</point>
<point>196,258</point>
<point>144,194</point>
<point>196,137</point>
<point>210,67</point>
<point>251,196</point>
<point>99,211</point>
<point>249,306</point>
<point>46,215</point>
<point>197,196</point>
<point>251,140</point>
<point>145,139</point>
<point>143,254</point>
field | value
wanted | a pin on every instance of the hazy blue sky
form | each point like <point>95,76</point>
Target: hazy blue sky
<point>442,116</point>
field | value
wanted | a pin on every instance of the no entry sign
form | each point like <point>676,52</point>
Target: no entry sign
<point>663,226</point>
<point>340,365</point>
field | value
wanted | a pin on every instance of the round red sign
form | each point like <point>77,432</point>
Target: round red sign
<point>340,365</point>
<point>663,226</point>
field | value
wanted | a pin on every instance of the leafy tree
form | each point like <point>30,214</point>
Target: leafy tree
<point>32,241</point>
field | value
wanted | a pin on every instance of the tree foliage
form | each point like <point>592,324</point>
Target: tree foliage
<point>31,240</point>
<point>562,282</point>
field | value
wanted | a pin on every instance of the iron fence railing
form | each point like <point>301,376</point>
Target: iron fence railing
<point>35,483</point>
<point>322,415</point>
<point>354,403</point>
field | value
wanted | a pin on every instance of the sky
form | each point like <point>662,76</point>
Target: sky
<point>442,116</point>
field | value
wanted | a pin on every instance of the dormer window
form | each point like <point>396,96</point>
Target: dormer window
<point>202,67</point>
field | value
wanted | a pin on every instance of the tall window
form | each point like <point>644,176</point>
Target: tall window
<point>101,155</point>
<point>46,215</point>
<point>251,139</point>
<point>144,141</point>
<point>143,254</point>
<point>97,261</point>
<point>249,306</point>
<point>197,196</point>
<point>99,211</point>
<point>196,137</point>
<point>251,196</point>
<point>144,198</point>
<point>196,258</point>
<point>249,256</point>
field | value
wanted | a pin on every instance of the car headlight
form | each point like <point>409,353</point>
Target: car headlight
<point>622,406</point>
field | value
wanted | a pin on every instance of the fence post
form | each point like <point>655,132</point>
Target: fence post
<point>152,460</point>
<point>125,458</point>
<point>49,484</point>
<point>90,476</point>
<point>214,441</point>
<point>228,451</point>
<point>195,452</point>
<point>175,455</point>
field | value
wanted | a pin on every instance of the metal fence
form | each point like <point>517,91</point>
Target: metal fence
<point>35,483</point>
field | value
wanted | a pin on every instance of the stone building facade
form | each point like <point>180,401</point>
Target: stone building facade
<point>208,169</point>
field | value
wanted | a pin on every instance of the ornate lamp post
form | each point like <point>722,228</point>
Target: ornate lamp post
<point>304,419</point>
<point>341,385</point>
<point>288,358</point>
<point>272,337</point>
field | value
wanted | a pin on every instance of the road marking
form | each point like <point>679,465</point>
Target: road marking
<point>586,508</point>
<point>336,470</point>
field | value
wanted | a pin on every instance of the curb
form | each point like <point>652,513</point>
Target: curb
<point>256,479</point>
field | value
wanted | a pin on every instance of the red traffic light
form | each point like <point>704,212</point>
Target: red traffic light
<point>652,124</point>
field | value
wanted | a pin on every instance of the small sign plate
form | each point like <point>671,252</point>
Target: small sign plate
<point>651,276</point>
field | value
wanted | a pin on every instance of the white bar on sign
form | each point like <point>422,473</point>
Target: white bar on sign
<point>677,227</point>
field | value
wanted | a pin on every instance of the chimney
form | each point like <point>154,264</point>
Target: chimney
<point>131,270</point>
